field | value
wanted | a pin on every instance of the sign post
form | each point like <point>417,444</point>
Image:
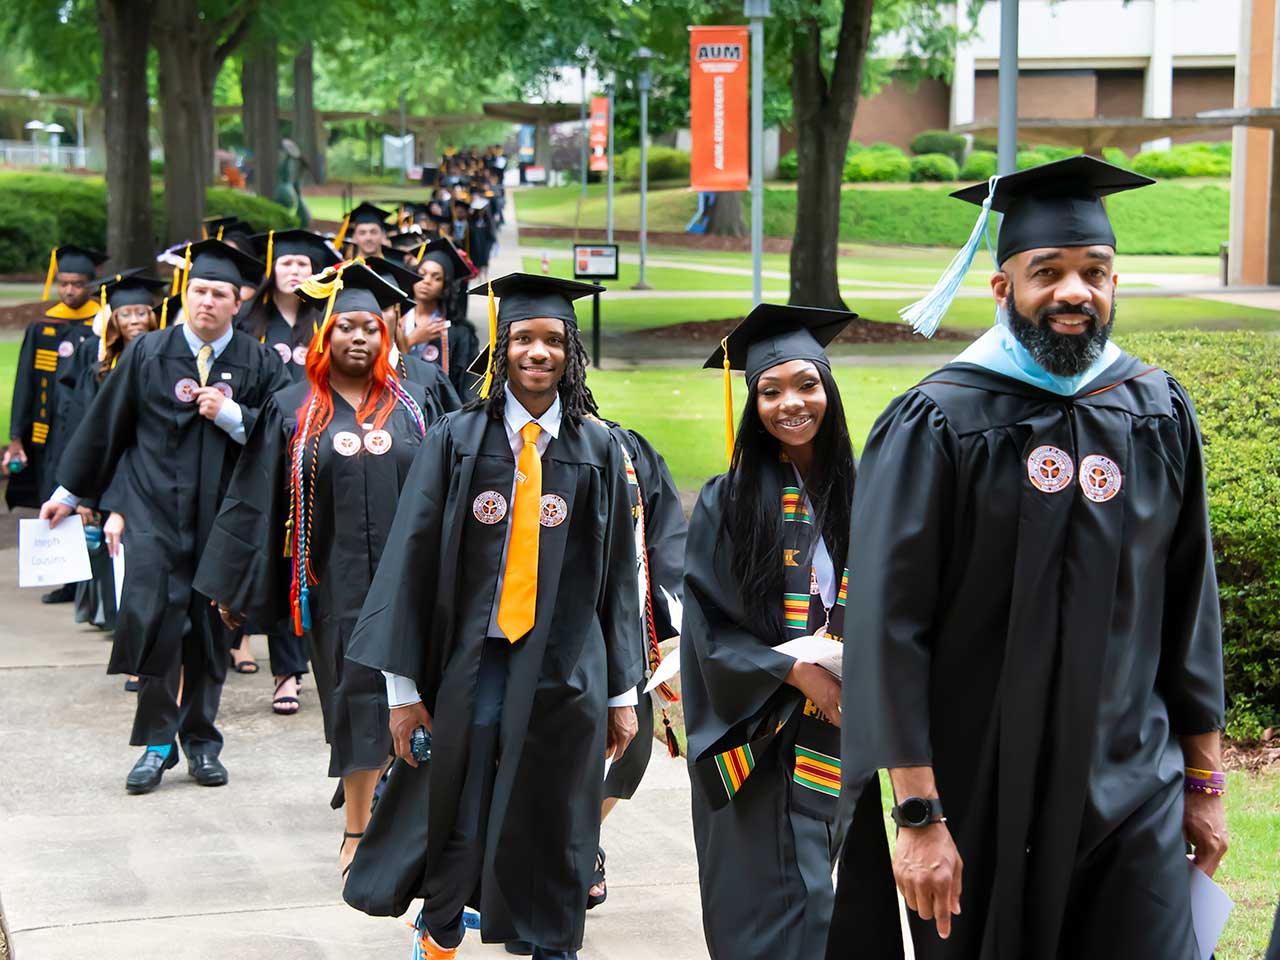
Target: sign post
<point>595,262</point>
<point>757,10</point>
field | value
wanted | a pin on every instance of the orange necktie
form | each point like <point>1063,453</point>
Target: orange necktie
<point>520,581</point>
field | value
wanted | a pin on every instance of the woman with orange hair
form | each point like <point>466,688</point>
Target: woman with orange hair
<point>308,511</point>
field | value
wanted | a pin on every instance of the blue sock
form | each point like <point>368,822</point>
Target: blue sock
<point>163,751</point>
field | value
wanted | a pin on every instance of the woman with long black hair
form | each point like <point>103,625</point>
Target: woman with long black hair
<point>308,512</point>
<point>437,329</point>
<point>762,724</point>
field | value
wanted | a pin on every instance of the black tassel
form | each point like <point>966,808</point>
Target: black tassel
<point>673,745</point>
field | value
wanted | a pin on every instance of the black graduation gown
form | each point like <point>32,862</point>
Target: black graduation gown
<point>464,346</point>
<point>652,487</point>
<point>168,468</point>
<point>427,617</point>
<point>432,378</point>
<point>284,341</point>
<point>245,568</point>
<point>47,347</point>
<point>765,854</point>
<point>1033,592</point>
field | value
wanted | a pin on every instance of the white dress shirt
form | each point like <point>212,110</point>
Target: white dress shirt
<point>402,691</point>
<point>230,417</point>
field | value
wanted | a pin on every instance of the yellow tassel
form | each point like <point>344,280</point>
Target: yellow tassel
<point>177,281</point>
<point>186,275</point>
<point>53,270</point>
<point>220,229</point>
<point>728,403</point>
<point>493,345</point>
<point>334,288</point>
<point>271,239</point>
<point>204,232</point>
<point>342,234</point>
<point>101,320</point>
<point>422,252</point>
<point>164,313</point>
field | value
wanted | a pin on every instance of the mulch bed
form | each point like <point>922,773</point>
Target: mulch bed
<point>1253,757</point>
<point>859,331</point>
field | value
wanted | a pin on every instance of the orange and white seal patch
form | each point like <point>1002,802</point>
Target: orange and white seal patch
<point>1049,469</point>
<point>554,510</point>
<point>1100,478</point>
<point>490,507</point>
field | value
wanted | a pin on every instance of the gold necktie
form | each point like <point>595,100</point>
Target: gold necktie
<point>204,361</point>
<point>520,581</point>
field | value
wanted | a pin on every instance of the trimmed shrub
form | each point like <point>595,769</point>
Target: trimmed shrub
<point>1232,378</point>
<point>24,234</point>
<point>1031,158</point>
<point>1116,156</point>
<point>935,167</point>
<point>979,165</point>
<point>882,163</point>
<point>259,212</point>
<point>789,166</point>
<point>1057,153</point>
<point>665,163</point>
<point>1183,160</point>
<point>939,141</point>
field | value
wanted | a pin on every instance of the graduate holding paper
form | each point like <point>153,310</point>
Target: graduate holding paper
<point>762,568</point>
<point>1032,589</point>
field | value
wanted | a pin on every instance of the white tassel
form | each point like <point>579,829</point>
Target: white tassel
<point>925,315</point>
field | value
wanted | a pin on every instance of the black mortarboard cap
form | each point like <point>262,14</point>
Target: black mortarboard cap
<point>130,288</point>
<point>442,251</point>
<point>362,291</point>
<point>366,212</point>
<point>524,296</point>
<point>216,260</point>
<point>71,258</point>
<point>1056,204</point>
<point>394,272</point>
<point>407,240</point>
<point>775,333</point>
<point>303,243</point>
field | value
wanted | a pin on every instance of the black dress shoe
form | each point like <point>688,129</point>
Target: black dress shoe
<point>207,770</point>
<point>146,773</point>
<point>64,594</point>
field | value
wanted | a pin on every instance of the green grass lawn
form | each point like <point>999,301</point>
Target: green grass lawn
<point>1249,873</point>
<point>8,364</point>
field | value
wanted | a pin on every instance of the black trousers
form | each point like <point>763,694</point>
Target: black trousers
<point>159,718</point>
<point>287,651</point>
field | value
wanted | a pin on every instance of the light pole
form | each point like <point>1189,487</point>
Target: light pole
<point>613,82</point>
<point>757,10</point>
<point>644,55</point>
<point>582,128</point>
<point>1007,138</point>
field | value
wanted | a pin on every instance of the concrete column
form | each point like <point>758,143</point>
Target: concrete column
<point>962,79</point>
<point>1251,147</point>
<point>1157,92</point>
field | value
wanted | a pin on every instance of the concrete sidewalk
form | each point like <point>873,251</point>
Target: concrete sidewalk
<point>249,870</point>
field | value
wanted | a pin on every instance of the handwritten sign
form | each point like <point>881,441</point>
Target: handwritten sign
<point>52,556</point>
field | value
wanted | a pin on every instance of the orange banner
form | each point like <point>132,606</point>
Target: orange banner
<point>718,76</point>
<point>598,139</point>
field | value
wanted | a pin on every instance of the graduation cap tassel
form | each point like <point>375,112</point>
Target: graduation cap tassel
<point>673,744</point>
<point>342,234</point>
<point>422,252</point>
<point>186,273</point>
<point>220,229</point>
<point>53,270</point>
<point>728,403</point>
<point>493,345</point>
<point>926,314</point>
<point>164,313</point>
<point>271,238</point>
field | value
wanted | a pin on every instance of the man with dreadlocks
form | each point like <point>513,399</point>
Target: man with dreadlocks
<point>526,687</point>
<point>165,431</point>
<point>309,510</point>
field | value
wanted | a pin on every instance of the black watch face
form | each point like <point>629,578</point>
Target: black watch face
<point>915,811</point>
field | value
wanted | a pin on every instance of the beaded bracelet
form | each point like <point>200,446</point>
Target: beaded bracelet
<point>1211,782</point>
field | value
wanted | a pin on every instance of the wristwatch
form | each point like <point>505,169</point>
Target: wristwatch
<point>918,812</point>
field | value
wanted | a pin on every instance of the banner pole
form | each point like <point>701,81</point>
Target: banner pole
<point>757,10</point>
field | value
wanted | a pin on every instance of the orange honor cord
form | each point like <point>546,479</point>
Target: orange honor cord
<point>728,403</point>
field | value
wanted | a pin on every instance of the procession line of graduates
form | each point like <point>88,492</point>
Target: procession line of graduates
<point>1020,572</point>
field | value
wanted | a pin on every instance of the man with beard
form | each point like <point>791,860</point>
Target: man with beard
<point>1031,583</point>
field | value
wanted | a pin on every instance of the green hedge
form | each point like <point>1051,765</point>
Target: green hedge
<point>1234,381</point>
<point>40,211</point>
<point>665,163</point>
<point>1185,160</point>
<point>940,141</point>
<point>935,167</point>
<point>1166,218</point>
<point>789,166</point>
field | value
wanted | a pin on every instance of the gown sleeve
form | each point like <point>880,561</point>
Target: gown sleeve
<point>273,376</point>
<point>442,390</point>
<point>728,674</point>
<point>624,642</point>
<point>107,430</point>
<point>395,630</point>
<point>243,566</point>
<point>897,547</point>
<point>21,413</point>
<point>1191,671</point>
<point>665,533</point>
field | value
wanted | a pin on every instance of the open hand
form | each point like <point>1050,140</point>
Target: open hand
<point>927,869</point>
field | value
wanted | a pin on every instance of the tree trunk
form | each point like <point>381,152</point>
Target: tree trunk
<point>726,216</point>
<point>823,120</point>
<point>124,26</point>
<point>260,94</point>
<point>190,50</point>
<point>306,133</point>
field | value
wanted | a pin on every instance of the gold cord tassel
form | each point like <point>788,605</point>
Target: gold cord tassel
<point>271,238</point>
<point>342,233</point>
<point>53,270</point>
<point>493,345</point>
<point>186,275</point>
<point>422,250</point>
<point>164,313</point>
<point>728,403</point>
<point>220,229</point>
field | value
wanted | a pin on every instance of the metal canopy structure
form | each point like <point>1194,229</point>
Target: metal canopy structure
<point>533,113</point>
<point>1096,133</point>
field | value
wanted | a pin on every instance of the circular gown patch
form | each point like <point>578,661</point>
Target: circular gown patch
<point>224,388</point>
<point>1050,469</point>
<point>377,442</point>
<point>66,348</point>
<point>489,507</point>
<point>1100,478</point>
<point>300,355</point>
<point>554,510</point>
<point>432,353</point>
<point>283,350</point>
<point>185,389</point>
<point>346,443</point>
